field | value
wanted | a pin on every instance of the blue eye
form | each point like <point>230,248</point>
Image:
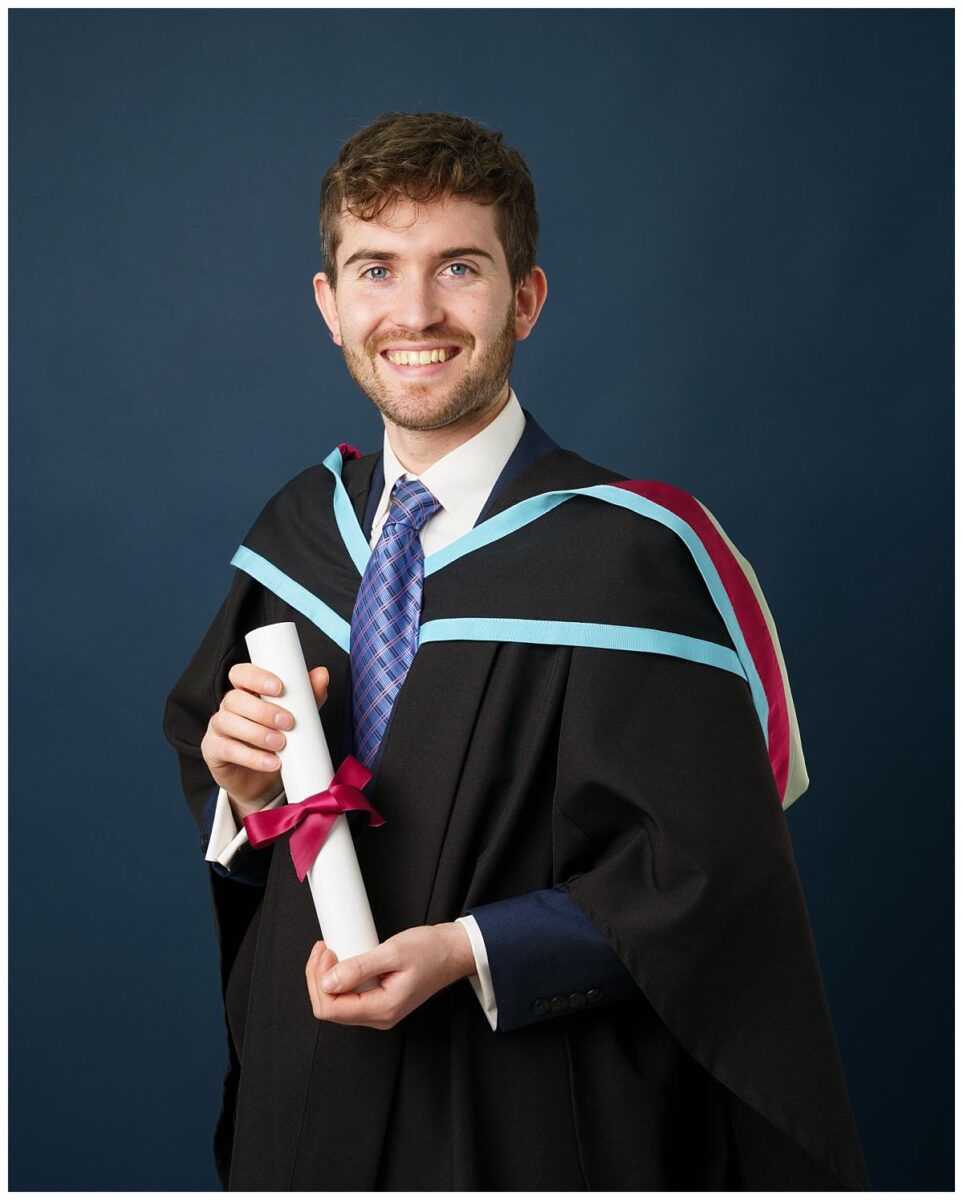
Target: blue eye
<point>465,265</point>
<point>364,273</point>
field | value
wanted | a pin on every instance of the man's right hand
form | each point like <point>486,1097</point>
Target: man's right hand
<point>243,735</point>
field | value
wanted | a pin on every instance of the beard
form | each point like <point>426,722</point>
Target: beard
<point>423,405</point>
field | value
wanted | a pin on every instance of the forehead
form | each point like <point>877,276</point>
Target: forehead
<point>414,229</point>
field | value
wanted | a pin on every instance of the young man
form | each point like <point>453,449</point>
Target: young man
<point>596,968</point>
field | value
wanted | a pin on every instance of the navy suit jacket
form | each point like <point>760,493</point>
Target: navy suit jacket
<point>545,956</point>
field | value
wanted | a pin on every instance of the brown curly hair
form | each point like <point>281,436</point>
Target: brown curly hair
<point>423,156</point>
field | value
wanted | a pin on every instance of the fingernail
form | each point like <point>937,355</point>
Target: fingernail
<point>284,720</point>
<point>330,982</point>
<point>271,763</point>
<point>275,741</point>
<point>270,687</point>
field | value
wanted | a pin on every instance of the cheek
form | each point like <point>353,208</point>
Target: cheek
<point>356,333</point>
<point>485,324</point>
<point>359,321</point>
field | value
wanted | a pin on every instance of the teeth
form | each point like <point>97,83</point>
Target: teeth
<point>410,358</point>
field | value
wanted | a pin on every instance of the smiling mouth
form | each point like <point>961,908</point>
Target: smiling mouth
<point>421,362</point>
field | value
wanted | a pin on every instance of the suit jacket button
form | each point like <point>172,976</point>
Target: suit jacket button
<point>540,1006</point>
<point>576,999</point>
<point>593,995</point>
<point>559,1004</point>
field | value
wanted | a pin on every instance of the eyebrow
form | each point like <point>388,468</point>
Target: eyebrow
<point>387,256</point>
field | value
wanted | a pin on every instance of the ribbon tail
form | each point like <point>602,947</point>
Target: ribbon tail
<point>307,840</point>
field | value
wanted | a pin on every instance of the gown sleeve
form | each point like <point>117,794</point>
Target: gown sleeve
<point>198,693</point>
<point>194,698</point>
<point>675,845</point>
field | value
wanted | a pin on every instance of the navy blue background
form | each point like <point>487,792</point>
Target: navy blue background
<point>747,234</point>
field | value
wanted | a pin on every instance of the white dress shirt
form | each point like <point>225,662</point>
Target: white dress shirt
<point>461,482</point>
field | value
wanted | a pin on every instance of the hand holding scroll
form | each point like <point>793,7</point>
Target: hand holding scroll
<point>406,969</point>
<point>244,734</point>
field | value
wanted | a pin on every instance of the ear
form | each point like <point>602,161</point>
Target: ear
<point>324,298</point>
<point>529,299</point>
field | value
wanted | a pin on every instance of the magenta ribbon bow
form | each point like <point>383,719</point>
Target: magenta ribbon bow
<point>312,819</point>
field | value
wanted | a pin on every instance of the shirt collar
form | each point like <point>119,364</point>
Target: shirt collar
<point>462,480</point>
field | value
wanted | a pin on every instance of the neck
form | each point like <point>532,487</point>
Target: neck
<point>417,449</point>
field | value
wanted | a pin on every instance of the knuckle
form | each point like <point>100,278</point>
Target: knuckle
<point>269,730</point>
<point>210,743</point>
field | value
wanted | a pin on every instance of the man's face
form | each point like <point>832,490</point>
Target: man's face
<point>424,277</point>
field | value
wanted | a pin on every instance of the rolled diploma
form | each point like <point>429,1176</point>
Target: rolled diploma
<point>337,888</point>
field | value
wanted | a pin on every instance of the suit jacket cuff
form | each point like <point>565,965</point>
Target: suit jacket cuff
<point>546,958</point>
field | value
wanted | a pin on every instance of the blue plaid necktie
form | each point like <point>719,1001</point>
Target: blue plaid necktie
<point>384,624</point>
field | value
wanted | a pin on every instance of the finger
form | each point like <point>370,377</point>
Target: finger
<point>359,1008</point>
<point>217,748</point>
<point>319,684</point>
<point>255,679</point>
<point>347,975</point>
<point>239,729</point>
<point>230,725</point>
<point>322,958</point>
<point>379,1006</point>
<point>371,1008</point>
<point>255,709</point>
<point>311,977</point>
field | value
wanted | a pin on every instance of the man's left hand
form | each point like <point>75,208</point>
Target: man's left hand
<point>412,966</point>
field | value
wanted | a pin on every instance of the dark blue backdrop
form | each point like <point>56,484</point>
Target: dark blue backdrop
<point>747,233</point>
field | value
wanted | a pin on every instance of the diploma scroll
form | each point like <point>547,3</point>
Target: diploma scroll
<point>337,888</point>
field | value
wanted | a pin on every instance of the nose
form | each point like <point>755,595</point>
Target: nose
<point>417,303</point>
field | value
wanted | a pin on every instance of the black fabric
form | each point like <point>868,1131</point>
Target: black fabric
<point>639,784</point>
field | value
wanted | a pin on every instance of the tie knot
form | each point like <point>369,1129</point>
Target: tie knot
<point>411,503</point>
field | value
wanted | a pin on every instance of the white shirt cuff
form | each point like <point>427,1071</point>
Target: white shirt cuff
<point>481,982</point>
<point>226,839</point>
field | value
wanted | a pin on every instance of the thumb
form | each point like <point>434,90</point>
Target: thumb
<point>346,976</point>
<point>319,684</point>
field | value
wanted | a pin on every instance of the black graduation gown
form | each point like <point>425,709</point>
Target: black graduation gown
<point>637,782</point>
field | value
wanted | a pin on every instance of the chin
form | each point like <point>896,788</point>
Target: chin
<point>420,409</point>
<point>417,416</point>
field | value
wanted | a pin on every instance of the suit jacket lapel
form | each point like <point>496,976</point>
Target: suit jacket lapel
<point>533,445</point>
